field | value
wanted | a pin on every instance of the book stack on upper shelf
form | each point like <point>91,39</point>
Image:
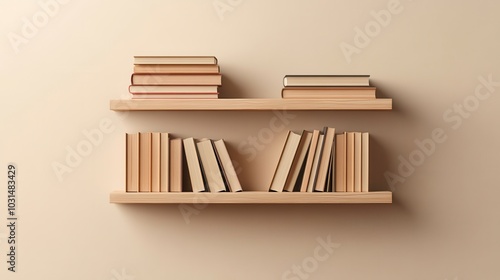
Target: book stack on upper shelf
<point>327,87</point>
<point>173,77</point>
<point>154,163</point>
<point>323,161</point>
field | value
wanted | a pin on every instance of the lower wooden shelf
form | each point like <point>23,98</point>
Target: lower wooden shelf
<point>251,197</point>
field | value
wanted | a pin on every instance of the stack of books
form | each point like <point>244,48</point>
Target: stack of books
<point>168,77</point>
<point>155,160</point>
<point>327,87</point>
<point>323,161</point>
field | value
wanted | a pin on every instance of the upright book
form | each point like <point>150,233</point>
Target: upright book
<point>298,161</point>
<point>145,161</point>
<point>309,160</point>
<point>132,162</point>
<point>176,163</point>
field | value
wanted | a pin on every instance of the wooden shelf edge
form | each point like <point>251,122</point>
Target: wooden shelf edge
<point>248,104</point>
<point>251,197</point>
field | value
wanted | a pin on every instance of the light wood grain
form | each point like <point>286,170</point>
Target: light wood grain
<point>252,104</point>
<point>252,197</point>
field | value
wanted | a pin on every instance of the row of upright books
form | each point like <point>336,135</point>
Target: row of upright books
<point>155,161</point>
<point>328,87</point>
<point>323,161</point>
<point>172,77</point>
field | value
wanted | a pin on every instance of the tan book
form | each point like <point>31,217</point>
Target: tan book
<point>166,59</point>
<point>175,96</point>
<point>164,162</point>
<point>176,79</point>
<point>155,161</point>
<point>365,161</point>
<point>145,161</point>
<point>285,162</point>
<point>194,167</point>
<point>330,184</point>
<point>132,162</point>
<point>329,92</point>
<point>324,160</point>
<point>326,80</point>
<point>176,163</point>
<point>298,161</point>
<point>350,144</point>
<point>227,167</point>
<point>210,166</point>
<point>309,160</point>
<point>340,163</point>
<point>357,161</point>
<point>314,169</point>
<point>172,89</point>
<point>177,68</point>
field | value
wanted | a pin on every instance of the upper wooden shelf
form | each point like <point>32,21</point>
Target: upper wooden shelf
<point>250,104</point>
<point>252,197</point>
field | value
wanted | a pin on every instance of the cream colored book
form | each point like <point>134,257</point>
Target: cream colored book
<point>314,169</point>
<point>227,167</point>
<point>210,166</point>
<point>340,163</point>
<point>285,162</point>
<point>350,144</point>
<point>145,161</point>
<point>164,162</point>
<point>194,167</point>
<point>155,162</point>
<point>298,161</point>
<point>176,163</point>
<point>132,159</point>
<point>365,159</point>
<point>357,161</point>
<point>324,160</point>
<point>309,161</point>
<point>177,68</point>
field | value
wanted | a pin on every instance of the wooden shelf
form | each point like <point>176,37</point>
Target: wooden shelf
<point>252,104</point>
<point>251,197</point>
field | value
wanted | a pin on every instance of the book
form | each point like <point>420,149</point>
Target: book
<point>210,166</point>
<point>298,161</point>
<point>193,163</point>
<point>133,89</point>
<point>151,59</point>
<point>309,161</point>
<point>365,161</point>
<point>340,163</point>
<point>329,92</point>
<point>227,167</point>
<point>326,80</point>
<point>349,170</point>
<point>164,162</point>
<point>324,160</point>
<point>177,68</point>
<point>357,161</point>
<point>175,96</point>
<point>176,163</point>
<point>314,169</point>
<point>132,162</point>
<point>285,161</point>
<point>155,161</point>
<point>145,161</point>
<point>176,79</point>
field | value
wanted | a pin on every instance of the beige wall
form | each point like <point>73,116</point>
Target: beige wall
<point>58,76</point>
